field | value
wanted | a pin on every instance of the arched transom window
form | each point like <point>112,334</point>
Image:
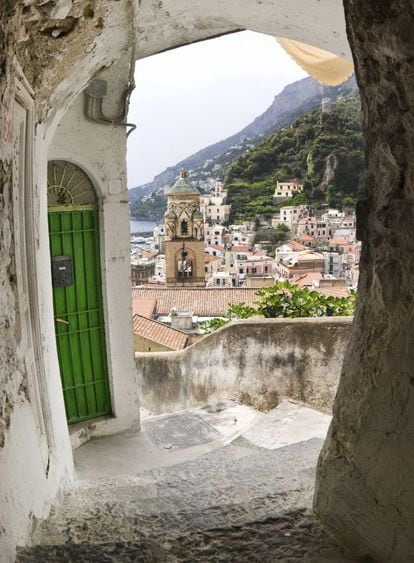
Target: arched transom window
<point>68,184</point>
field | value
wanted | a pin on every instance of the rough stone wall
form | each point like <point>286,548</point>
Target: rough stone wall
<point>255,361</point>
<point>10,390</point>
<point>70,34</point>
<point>28,479</point>
<point>365,485</point>
<point>13,382</point>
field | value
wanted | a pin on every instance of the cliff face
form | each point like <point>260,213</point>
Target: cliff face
<point>294,100</point>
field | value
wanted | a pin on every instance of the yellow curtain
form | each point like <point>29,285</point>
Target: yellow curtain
<point>327,68</point>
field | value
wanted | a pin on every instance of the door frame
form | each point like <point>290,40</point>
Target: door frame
<point>100,152</point>
<point>74,208</point>
<point>26,236</point>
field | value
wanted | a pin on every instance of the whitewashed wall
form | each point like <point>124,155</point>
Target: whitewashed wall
<point>100,150</point>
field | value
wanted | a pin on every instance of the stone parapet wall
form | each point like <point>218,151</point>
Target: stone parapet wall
<point>257,361</point>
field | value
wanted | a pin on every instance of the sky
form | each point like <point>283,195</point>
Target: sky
<point>188,98</point>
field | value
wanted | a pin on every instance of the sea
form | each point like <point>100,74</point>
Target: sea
<point>142,226</point>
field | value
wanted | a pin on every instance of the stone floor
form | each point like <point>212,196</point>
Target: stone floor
<point>223,483</point>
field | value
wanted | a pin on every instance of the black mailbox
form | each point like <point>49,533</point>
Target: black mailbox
<point>62,271</point>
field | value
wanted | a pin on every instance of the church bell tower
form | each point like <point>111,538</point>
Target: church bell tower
<point>184,235</point>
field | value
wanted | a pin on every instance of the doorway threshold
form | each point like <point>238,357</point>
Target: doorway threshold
<point>82,432</point>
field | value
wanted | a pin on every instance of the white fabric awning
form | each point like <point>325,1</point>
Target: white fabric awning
<point>327,68</point>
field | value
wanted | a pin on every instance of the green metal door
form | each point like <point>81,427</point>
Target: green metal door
<point>78,312</point>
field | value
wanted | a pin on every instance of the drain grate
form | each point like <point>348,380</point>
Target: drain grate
<point>180,431</point>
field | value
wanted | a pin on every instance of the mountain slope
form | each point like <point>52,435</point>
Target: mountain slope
<point>294,100</point>
<point>325,149</point>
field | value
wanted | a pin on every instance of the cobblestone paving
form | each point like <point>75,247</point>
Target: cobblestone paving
<point>240,503</point>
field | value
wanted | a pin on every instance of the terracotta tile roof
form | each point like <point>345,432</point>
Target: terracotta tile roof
<point>210,258</point>
<point>309,256</point>
<point>143,307</point>
<point>333,291</point>
<point>159,333</point>
<point>307,238</point>
<point>338,242</point>
<point>204,302</point>
<point>240,248</point>
<point>307,279</point>
<point>294,245</point>
<point>216,246</point>
<point>150,252</point>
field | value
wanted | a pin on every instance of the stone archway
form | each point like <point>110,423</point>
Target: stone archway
<point>106,32</point>
<point>365,487</point>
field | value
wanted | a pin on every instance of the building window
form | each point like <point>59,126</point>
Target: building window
<point>184,227</point>
<point>184,266</point>
<point>266,269</point>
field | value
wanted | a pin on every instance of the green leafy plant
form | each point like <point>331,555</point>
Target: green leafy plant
<point>234,312</point>
<point>210,326</point>
<point>287,300</point>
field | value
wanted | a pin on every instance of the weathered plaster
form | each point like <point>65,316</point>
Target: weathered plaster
<point>99,150</point>
<point>167,24</point>
<point>365,491</point>
<point>27,485</point>
<point>258,361</point>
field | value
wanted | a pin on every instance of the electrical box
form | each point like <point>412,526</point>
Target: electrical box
<point>98,88</point>
<point>62,271</point>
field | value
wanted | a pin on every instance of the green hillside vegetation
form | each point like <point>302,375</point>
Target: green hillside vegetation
<point>325,149</point>
<point>152,208</point>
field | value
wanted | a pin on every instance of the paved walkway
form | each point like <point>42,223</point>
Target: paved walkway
<point>222,483</point>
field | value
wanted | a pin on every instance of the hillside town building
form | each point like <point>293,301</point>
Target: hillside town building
<point>214,206</point>
<point>290,215</point>
<point>287,189</point>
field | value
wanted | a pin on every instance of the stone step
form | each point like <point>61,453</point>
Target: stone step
<point>238,503</point>
<point>290,537</point>
<point>234,484</point>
